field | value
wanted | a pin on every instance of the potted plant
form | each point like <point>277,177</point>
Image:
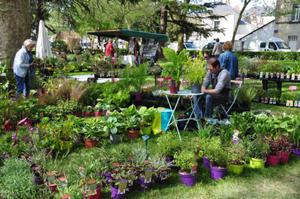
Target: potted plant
<point>113,126</point>
<point>101,108</point>
<point>257,151</point>
<point>92,189</point>
<point>236,158</point>
<point>51,180</point>
<point>147,117</point>
<point>272,158</point>
<point>218,158</point>
<point>132,122</point>
<point>168,144</point>
<point>284,150</point>
<point>92,130</point>
<point>194,70</point>
<point>186,160</point>
<point>174,67</point>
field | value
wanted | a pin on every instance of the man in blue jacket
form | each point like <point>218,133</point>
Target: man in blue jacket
<point>229,61</point>
<point>22,65</point>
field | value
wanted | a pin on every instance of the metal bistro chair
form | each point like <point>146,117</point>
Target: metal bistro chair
<point>232,99</point>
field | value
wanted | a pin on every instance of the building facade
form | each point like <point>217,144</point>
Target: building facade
<point>287,23</point>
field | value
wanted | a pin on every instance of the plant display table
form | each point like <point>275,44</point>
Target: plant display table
<point>179,95</point>
<point>278,81</point>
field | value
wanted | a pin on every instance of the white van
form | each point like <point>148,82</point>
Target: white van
<point>274,44</point>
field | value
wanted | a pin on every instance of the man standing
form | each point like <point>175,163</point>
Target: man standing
<point>217,50</point>
<point>219,80</point>
<point>229,61</point>
<point>22,67</point>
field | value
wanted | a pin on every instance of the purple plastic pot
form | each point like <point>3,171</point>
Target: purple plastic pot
<point>187,179</point>
<point>108,176</point>
<point>206,162</point>
<point>144,185</point>
<point>115,193</point>
<point>169,158</point>
<point>217,172</point>
<point>296,152</point>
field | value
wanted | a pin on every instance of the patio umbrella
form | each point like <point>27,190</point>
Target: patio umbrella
<point>43,48</point>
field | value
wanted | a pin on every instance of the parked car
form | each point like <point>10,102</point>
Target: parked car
<point>210,46</point>
<point>274,44</point>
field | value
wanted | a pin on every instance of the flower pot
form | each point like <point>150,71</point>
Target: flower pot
<point>146,130</point>
<point>133,133</point>
<point>89,143</point>
<point>86,114</point>
<point>257,163</point>
<point>236,169</point>
<point>196,88</point>
<point>173,87</point>
<point>144,184</point>
<point>138,97</point>
<point>115,193</point>
<point>273,160</point>
<point>206,162</point>
<point>296,152</point>
<point>217,173</point>
<point>115,138</point>
<point>169,158</point>
<point>98,113</point>
<point>188,179</point>
<point>53,188</point>
<point>108,176</point>
<point>283,157</point>
<point>96,195</point>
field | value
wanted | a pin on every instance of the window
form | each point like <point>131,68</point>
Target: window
<point>262,45</point>
<point>296,13</point>
<point>216,24</point>
<point>272,46</point>
<point>293,38</point>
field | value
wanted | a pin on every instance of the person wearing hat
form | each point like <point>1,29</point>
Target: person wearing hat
<point>21,67</point>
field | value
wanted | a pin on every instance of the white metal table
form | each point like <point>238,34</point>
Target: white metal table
<point>179,95</point>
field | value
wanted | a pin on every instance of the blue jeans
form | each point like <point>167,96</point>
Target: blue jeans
<point>23,85</point>
<point>210,101</point>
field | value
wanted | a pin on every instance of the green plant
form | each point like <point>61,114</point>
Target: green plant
<point>59,45</point>
<point>257,148</point>
<point>236,153</point>
<point>246,95</point>
<point>113,125</point>
<point>94,128</point>
<point>185,159</point>
<point>215,152</point>
<point>132,118</point>
<point>16,180</point>
<point>168,144</point>
<point>174,63</point>
<point>195,69</point>
<point>147,115</point>
<point>136,76</point>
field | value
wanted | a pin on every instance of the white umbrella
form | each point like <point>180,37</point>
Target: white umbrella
<point>43,48</point>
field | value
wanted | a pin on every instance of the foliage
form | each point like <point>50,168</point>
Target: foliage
<point>94,128</point>
<point>185,159</point>
<point>60,46</point>
<point>195,69</point>
<point>16,180</point>
<point>257,148</point>
<point>132,118</point>
<point>236,153</point>
<point>136,76</point>
<point>147,115</point>
<point>175,62</point>
<point>168,144</point>
<point>114,124</point>
<point>246,95</point>
<point>215,152</point>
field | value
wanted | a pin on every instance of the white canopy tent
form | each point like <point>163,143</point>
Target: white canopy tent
<point>43,48</point>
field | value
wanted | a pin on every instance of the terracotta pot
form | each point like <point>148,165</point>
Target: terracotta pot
<point>53,188</point>
<point>66,196</point>
<point>133,133</point>
<point>173,87</point>
<point>89,143</point>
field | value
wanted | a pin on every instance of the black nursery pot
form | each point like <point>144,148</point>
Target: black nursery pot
<point>115,138</point>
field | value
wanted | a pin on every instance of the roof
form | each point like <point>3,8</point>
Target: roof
<point>127,34</point>
<point>257,29</point>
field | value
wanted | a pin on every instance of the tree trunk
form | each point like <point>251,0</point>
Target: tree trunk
<point>15,26</point>
<point>246,2</point>
<point>163,22</point>
<point>180,41</point>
